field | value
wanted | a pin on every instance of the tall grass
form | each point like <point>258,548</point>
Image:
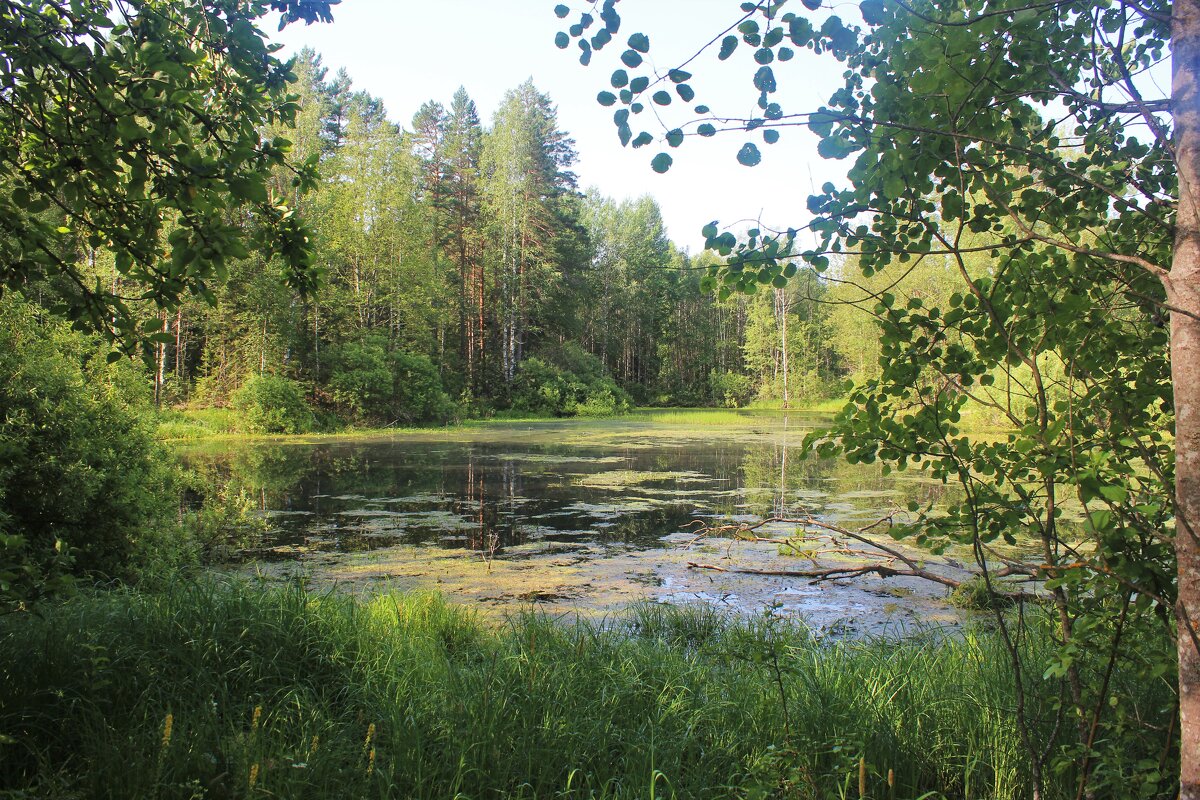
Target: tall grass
<point>213,690</point>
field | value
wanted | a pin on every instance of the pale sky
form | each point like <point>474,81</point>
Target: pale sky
<point>408,52</point>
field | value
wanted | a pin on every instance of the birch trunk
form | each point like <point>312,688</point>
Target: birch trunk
<point>1183,288</point>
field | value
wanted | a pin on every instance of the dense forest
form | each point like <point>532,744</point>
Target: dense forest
<point>464,271</point>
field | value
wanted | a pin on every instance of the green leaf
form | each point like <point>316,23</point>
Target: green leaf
<point>749,155</point>
<point>728,45</point>
<point>706,130</point>
<point>833,147</point>
<point>639,42</point>
<point>661,163</point>
<point>1115,494</point>
<point>639,84</point>
<point>606,99</point>
<point>685,92</point>
<point>770,136</point>
<point>679,76</point>
<point>675,137</point>
<point>764,80</point>
<point>248,189</point>
<point>631,58</point>
<point>643,139</point>
<point>872,12</point>
<point>662,98</point>
<point>562,41</point>
<point>619,79</point>
<point>561,11</point>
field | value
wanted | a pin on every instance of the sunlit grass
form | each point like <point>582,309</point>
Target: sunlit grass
<point>218,691</point>
<point>721,417</point>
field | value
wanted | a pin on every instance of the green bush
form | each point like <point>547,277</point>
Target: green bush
<point>576,383</point>
<point>731,389</point>
<point>273,404</point>
<point>371,383</point>
<point>419,396</point>
<point>82,481</point>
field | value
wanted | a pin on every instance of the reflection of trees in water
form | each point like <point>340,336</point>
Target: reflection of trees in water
<point>491,497</point>
<point>778,481</point>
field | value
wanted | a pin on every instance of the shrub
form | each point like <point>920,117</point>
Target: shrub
<point>370,382</point>
<point>273,404</point>
<point>731,389</point>
<point>586,390</point>
<point>360,380</point>
<point>81,478</point>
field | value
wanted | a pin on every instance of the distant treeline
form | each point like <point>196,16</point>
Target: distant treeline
<point>465,272</point>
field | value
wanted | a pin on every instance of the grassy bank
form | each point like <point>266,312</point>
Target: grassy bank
<point>225,423</point>
<point>217,691</point>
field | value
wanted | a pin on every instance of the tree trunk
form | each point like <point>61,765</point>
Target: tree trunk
<point>1183,289</point>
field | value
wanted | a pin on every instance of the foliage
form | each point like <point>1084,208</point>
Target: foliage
<point>81,479</point>
<point>732,389</point>
<point>273,404</point>
<point>577,384</point>
<point>155,175</point>
<point>375,385</point>
<point>1022,147</point>
<point>305,696</point>
<point>418,394</point>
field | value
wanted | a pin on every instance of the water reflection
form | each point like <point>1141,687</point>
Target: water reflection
<point>607,486</point>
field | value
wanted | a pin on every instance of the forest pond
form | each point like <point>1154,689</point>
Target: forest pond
<point>573,516</point>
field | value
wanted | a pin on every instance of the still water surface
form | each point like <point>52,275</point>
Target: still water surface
<point>573,516</point>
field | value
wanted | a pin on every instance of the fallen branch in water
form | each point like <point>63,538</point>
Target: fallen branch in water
<point>819,575</point>
<point>910,569</point>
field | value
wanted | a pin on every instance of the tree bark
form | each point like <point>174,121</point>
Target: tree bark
<point>1183,291</point>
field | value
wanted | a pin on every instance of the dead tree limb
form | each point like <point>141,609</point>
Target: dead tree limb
<point>910,568</point>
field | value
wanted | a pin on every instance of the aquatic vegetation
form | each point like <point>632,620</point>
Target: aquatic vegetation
<point>622,478</point>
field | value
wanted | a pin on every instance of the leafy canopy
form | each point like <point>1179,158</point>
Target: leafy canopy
<point>136,127</point>
<point>1023,149</point>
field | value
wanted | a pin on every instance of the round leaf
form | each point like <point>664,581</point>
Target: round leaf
<point>749,155</point>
